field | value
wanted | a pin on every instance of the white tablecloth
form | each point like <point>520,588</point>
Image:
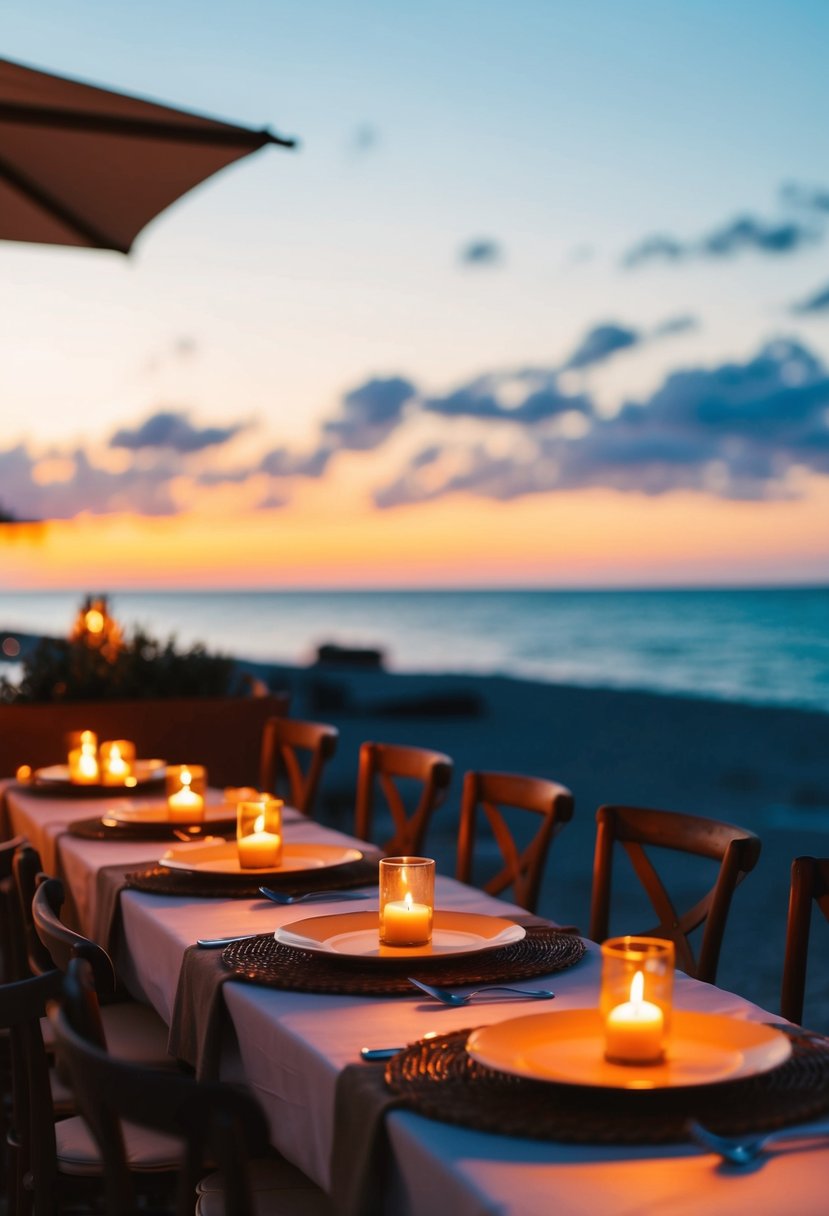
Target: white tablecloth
<point>291,1046</point>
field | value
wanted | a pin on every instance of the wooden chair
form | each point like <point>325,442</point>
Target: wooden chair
<point>386,766</point>
<point>12,951</point>
<point>736,849</point>
<point>522,868</point>
<point>134,1030</point>
<point>215,1122</point>
<point>294,755</point>
<point>809,883</point>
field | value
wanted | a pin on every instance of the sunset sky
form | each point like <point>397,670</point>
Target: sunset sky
<point>541,299</point>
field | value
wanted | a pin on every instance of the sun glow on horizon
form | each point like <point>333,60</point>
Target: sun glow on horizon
<point>597,537</point>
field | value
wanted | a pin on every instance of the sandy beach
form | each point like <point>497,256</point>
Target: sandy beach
<point>762,768</point>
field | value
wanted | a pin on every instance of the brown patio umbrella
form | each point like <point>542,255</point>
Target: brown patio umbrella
<point>80,165</point>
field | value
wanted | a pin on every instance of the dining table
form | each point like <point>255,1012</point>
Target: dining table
<point>298,1049</point>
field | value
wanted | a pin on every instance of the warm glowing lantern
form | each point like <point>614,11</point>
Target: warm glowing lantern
<point>117,760</point>
<point>407,900</point>
<point>186,785</point>
<point>259,833</point>
<point>83,758</point>
<point>636,998</point>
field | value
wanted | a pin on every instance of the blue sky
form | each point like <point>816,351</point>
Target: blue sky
<point>596,197</point>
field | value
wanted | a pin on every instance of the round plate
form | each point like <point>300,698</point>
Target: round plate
<point>568,1047</point>
<point>356,935</point>
<point>222,857</point>
<point>158,814</point>
<point>56,776</point>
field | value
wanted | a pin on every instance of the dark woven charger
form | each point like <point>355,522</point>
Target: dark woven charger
<point>440,1080</point>
<point>262,960</point>
<point>97,829</point>
<point>159,880</point>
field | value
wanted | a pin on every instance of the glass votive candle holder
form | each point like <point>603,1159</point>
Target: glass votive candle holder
<point>259,833</point>
<point>117,761</point>
<point>407,900</point>
<point>83,757</point>
<point>636,998</point>
<point>186,785</point>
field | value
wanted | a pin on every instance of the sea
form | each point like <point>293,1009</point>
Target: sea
<point>765,646</point>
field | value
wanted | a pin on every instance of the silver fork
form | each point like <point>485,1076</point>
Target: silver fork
<point>744,1150</point>
<point>278,897</point>
<point>447,997</point>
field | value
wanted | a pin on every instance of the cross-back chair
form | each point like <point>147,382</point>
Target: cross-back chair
<point>12,953</point>
<point>809,885</point>
<point>294,754</point>
<point>215,1123</point>
<point>384,767</point>
<point>635,828</point>
<point>134,1031</point>
<point>522,868</point>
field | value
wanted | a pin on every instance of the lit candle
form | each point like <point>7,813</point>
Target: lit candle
<point>117,761</point>
<point>185,803</point>
<point>83,760</point>
<point>406,923</point>
<point>633,1030</point>
<point>259,850</point>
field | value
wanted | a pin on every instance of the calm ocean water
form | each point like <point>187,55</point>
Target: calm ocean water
<point>763,646</point>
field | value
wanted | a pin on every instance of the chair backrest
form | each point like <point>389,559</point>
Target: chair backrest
<point>28,872</point>
<point>809,884</point>
<point>221,732</point>
<point>13,964</point>
<point>383,766</point>
<point>294,755</point>
<point>62,943</point>
<point>522,867</point>
<point>31,1138</point>
<point>215,1121</point>
<point>736,849</point>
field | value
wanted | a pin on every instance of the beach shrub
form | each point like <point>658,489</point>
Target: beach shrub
<point>103,664</point>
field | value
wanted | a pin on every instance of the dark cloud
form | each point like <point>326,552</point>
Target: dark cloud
<point>87,489</point>
<point>280,462</point>
<point>675,325</point>
<point>481,399</point>
<point>819,302</point>
<point>735,431</point>
<point>369,414</point>
<point>813,198</point>
<point>173,430</point>
<point>600,343</point>
<point>737,236</point>
<point>481,252</point>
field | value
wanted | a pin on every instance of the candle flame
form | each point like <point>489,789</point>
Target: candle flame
<point>87,739</point>
<point>259,824</point>
<point>185,777</point>
<point>408,901</point>
<point>637,988</point>
<point>115,754</point>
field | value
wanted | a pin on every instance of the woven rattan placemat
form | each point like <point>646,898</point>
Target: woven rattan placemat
<point>438,1079</point>
<point>263,960</point>
<point>159,880</point>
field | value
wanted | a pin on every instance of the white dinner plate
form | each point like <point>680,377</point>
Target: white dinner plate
<point>356,934</point>
<point>568,1047</point>
<point>158,814</point>
<point>57,777</point>
<point>222,857</point>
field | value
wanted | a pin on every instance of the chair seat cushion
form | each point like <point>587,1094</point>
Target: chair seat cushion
<point>147,1151</point>
<point>277,1186</point>
<point>135,1032</point>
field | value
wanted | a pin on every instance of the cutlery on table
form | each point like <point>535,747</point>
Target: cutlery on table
<point>279,897</point>
<point>212,943</point>
<point>743,1150</point>
<point>447,997</point>
<point>386,1053</point>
